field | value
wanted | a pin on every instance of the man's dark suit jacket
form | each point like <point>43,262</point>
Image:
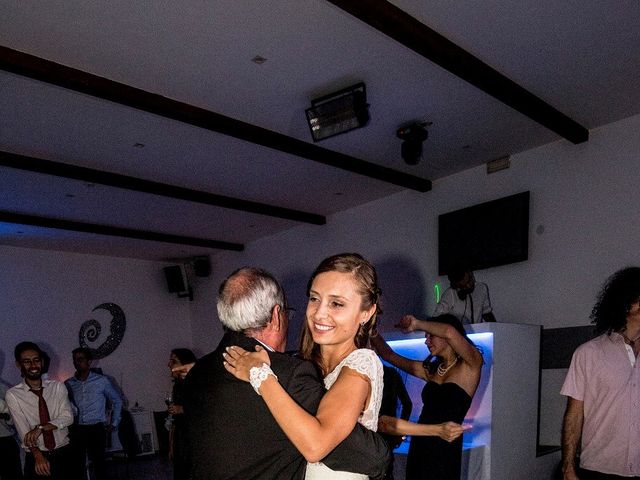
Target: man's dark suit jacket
<point>234,436</point>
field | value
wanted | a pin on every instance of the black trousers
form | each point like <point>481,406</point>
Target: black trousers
<point>591,475</point>
<point>61,462</point>
<point>89,441</point>
<point>10,466</point>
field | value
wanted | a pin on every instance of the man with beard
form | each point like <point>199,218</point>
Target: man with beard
<point>41,413</point>
<point>600,434</point>
<point>465,299</point>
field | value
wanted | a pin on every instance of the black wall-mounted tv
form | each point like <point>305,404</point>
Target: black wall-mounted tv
<point>485,235</point>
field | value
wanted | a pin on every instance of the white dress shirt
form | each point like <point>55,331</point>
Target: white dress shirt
<point>23,405</point>
<point>469,310</point>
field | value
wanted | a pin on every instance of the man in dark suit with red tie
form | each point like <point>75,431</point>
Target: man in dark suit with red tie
<point>41,412</point>
<point>233,435</point>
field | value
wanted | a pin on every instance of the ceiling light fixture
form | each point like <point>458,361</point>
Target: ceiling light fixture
<point>338,112</point>
<point>258,60</point>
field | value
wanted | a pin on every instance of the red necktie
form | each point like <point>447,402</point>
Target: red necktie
<point>43,411</point>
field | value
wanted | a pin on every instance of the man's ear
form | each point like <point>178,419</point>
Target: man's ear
<point>276,319</point>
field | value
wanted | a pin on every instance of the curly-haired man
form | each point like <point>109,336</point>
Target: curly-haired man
<point>603,388</point>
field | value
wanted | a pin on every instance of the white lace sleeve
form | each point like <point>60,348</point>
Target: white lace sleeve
<point>365,362</point>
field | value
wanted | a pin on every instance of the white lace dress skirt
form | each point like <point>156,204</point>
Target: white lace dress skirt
<point>319,471</point>
<point>365,362</point>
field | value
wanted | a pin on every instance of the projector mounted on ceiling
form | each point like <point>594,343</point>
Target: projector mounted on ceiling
<point>413,135</point>
<point>338,112</point>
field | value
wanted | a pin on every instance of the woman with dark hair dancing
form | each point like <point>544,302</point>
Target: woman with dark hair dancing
<point>341,313</point>
<point>452,373</point>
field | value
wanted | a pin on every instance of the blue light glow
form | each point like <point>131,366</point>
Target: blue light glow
<point>416,349</point>
<point>7,228</point>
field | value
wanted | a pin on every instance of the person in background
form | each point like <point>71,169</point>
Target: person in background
<point>465,299</point>
<point>394,392</point>
<point>10,465</point>
<point>42,413</point>
<point>452,372</point>
<point>46,363</point>
<point>91,393</point>
<point>602,420</point>
<point>178,442</point>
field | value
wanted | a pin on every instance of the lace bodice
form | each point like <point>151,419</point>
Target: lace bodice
<point>365,362</point>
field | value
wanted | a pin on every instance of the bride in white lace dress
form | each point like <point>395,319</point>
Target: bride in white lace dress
<point>341,314</point>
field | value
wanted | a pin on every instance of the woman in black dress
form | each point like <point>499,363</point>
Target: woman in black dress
<point>452,373</point>
<point>178,445</point>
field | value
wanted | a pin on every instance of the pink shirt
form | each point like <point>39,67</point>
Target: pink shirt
<point>606,378</point>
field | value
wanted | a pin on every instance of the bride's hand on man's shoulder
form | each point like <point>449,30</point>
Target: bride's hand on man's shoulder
<point>239,361</point>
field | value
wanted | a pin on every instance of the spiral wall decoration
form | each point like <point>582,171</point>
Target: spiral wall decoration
<point>91,329</point>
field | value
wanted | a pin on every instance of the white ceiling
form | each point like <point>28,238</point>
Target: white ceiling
<point>581,57</point>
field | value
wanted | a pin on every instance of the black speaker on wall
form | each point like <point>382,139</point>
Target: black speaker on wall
<point>176,279</point>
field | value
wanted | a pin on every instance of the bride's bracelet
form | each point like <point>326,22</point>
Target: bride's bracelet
<point>257,375</point>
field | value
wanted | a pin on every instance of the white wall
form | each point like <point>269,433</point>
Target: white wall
<point>46,296</point>
<point>584,199</point>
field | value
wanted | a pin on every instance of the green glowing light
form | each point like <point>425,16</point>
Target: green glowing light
<point>436,290</point>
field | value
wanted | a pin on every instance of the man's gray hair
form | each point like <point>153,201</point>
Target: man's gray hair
<point>247,297</point>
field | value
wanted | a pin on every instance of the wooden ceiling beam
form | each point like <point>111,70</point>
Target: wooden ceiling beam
<point>402,27</point>
<point>61,224</point>
<point>84,174</point>
<point>73,79</point>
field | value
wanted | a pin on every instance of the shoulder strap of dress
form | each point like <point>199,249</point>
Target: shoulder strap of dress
<point>363,361</point>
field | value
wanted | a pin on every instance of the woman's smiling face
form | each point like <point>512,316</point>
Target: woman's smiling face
<point>334,311</point>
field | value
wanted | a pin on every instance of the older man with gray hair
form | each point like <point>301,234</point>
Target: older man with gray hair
<point>233,435</point>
